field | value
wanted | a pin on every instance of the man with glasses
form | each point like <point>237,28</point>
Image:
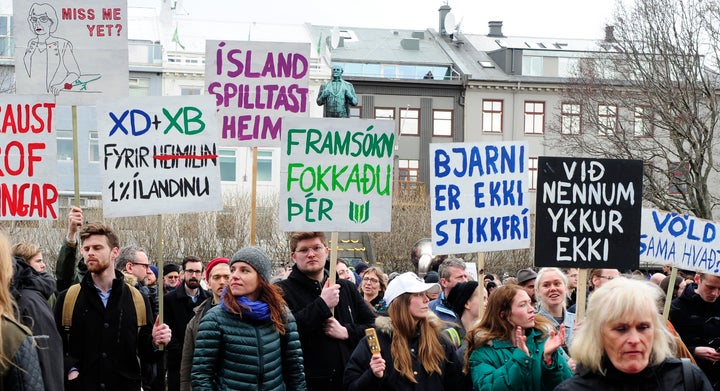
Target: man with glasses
<point>179,309</point>
<point>331,319</point>
<point>696,317</point>
<point>133,262</point>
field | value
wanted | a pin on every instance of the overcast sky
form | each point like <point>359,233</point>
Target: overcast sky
<point>537,18</point>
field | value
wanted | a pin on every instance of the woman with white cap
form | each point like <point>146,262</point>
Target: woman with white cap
<point>250,340</point>
<point>414,354</point>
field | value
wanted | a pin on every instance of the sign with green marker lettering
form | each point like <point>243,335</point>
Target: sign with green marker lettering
<point>336,174</point>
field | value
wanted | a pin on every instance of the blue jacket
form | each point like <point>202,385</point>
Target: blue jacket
<point>441,310</point>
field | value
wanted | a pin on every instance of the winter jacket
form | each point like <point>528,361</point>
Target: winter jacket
<point>698,323</point>
<point>23,371</point>
<point>188,349</point>
<point>359,376</point>
<point>325,357</point>
<point>667,376</point>
<point>499,365</point>
<point>568,321</point>
<point>32,290</point>
<point>104,343</point>
<point>239,354</point>
<point>69,269</point>
<point>178,312</point>
<point>440,309</point>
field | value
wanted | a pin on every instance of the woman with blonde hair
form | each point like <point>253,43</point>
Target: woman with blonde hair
<point>373,286</point>
<point>512,348</point>
<point>19,365</point>
<point>414,354</point>
<point>551,292</point>
<point>623,344</point>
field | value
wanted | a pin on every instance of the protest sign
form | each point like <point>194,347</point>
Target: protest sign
<point>76,50</point>
<point>686,242</point>
<point>28,161</point>
<point>478,197</point>
<point>159,155</point>
<point>588,213</point>
<point>336,174</point>
<point>255,84</point>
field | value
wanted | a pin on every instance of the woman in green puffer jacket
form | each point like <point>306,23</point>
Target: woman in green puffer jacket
<point>249,341</point>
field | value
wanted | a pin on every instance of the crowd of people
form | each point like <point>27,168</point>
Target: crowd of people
<point>235,324</point>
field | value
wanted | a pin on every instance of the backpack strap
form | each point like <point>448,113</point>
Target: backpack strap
<point>69,306</point>
<point>139,306</point>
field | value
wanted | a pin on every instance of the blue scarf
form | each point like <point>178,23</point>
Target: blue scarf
<point>254,310</point>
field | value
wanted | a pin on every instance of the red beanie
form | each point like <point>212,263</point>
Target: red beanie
<point>214,263</point>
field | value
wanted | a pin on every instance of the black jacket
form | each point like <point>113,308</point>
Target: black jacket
<point>667,376</point>
<point>325,357</point>
<point>359,376</point>
<point>178,312</point>
<point>31,291</point>
<point>698,324</point>
<point>104,343</point>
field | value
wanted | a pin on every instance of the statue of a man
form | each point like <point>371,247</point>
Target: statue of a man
<point>337,96</point>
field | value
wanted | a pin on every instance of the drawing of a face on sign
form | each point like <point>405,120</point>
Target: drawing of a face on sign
<point>49,57</point>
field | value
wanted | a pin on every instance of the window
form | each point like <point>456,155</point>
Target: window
<point>264,166</point>
<point>442,123</point>
<point>384,113</point>
<point>408,170</point>
<point>189,91</point>
<point>532,66</point>
<point>492,111</point>
<point>64,144</point>
<point>139,86</point>
<point>570,116</point>
<point>533,172</point>
<point>643,122</point>
<point>7,45</point>
<point>410,121</point>
<point>568,67</point>
<point>228,169</point>
<point>678,178</point>
<point>607,120</point>
<point>93,150</point>
<point>356,112</point>
<point>534,117</point>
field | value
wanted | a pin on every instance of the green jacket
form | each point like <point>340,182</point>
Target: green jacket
<point>501,366</point>
<point>235,354</point>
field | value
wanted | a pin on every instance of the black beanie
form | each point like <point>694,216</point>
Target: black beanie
<point>459,295</point>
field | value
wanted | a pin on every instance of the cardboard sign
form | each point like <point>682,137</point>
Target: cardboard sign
<point>76,50</point>
<point>159,155</point>
<point>588,213</point>
<point>336,174</point>
<point>479,195</point>
<point>254,85</point>
<point>686,242</point>
<point>28,158</point>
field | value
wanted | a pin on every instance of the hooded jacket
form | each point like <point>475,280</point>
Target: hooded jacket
<point>359,376</point>
<point>32,290</point>
<point>325,357</point>
<point>22,373</point>
<point>698,324</point>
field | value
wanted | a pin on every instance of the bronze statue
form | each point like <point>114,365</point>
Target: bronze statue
<point>337,96</point>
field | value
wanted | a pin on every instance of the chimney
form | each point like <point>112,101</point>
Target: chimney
<point>609,33</point>
<point>443,10</point>
<point>495,28</point>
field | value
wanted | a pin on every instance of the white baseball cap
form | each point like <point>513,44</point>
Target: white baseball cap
<point>408,283</point>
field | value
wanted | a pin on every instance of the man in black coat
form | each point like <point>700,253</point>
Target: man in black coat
<point>104,342</point>
<point>696,317</point>
<point>179,305</point>
<point>331,319</point>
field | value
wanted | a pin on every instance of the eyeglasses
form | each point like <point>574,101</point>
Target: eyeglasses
<point>370,279</point>
<point>607,277</point>
<point>172,277</point>
<point>144,265</point>
<point>41,19</point>
<point>315,249</point>
<point>190,271</point>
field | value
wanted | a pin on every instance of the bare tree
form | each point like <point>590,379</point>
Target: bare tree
<point>652,94</point>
